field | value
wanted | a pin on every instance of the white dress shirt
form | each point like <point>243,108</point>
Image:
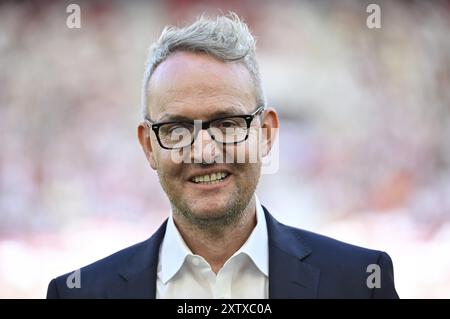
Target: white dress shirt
<point>184,275</point>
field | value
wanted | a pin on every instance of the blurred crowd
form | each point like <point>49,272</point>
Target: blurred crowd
<point>364,138</point>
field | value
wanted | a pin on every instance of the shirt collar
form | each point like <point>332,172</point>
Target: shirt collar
<point>257,244</point>
<point>174,250</point>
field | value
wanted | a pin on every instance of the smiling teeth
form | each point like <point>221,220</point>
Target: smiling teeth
<point>213,178</point>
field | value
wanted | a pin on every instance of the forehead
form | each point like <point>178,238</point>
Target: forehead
<point>194,84</point>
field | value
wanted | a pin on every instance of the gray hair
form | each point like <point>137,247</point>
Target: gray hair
<point>227,39</point>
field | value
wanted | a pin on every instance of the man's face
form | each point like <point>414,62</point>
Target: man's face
<point>198,87</point>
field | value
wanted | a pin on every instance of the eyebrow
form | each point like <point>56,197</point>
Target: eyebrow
<point>230,111</point>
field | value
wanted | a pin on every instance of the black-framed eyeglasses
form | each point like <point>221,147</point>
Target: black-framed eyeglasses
<point>226,130</point>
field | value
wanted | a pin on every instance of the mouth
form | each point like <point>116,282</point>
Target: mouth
<point>211,178</point>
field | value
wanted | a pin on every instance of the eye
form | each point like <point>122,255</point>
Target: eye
<point>229,123</point>
<point>175,128</point>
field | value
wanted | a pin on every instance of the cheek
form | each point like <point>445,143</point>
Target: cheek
<point>248,152</point>
<point>167,163</point>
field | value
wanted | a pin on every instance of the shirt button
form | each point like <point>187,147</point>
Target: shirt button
<point>195,262</point>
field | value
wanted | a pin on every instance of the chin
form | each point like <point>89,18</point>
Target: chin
<point>209,210</point>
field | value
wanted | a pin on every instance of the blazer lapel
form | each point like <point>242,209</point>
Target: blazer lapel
<point>289,276</point>
<point>137,278</point>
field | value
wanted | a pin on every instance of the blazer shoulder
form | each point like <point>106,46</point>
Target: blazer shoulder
<point>289,238</point>
<point>344,268</point>
<point>334,250</point>
<point>320,242</point>
<point>95,276</point>
<point>96,279</point>
<point>117,260</point>
<point>324,251</point>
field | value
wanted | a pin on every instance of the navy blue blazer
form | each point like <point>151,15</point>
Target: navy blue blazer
<point>302,264</point>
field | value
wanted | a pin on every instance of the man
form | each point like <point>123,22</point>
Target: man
<point>204,109</point>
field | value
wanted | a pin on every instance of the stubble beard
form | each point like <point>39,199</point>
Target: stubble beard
<point>213,224</point>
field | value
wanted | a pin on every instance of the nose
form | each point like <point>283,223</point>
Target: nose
<point>204,148</point>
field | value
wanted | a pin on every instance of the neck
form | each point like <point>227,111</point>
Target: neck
<point>216,247</point>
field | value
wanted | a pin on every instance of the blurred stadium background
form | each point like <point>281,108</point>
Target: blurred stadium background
<point>364,139</point>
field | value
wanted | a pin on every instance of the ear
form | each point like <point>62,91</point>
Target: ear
<point>270,129</point>
<point>143,133</point>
